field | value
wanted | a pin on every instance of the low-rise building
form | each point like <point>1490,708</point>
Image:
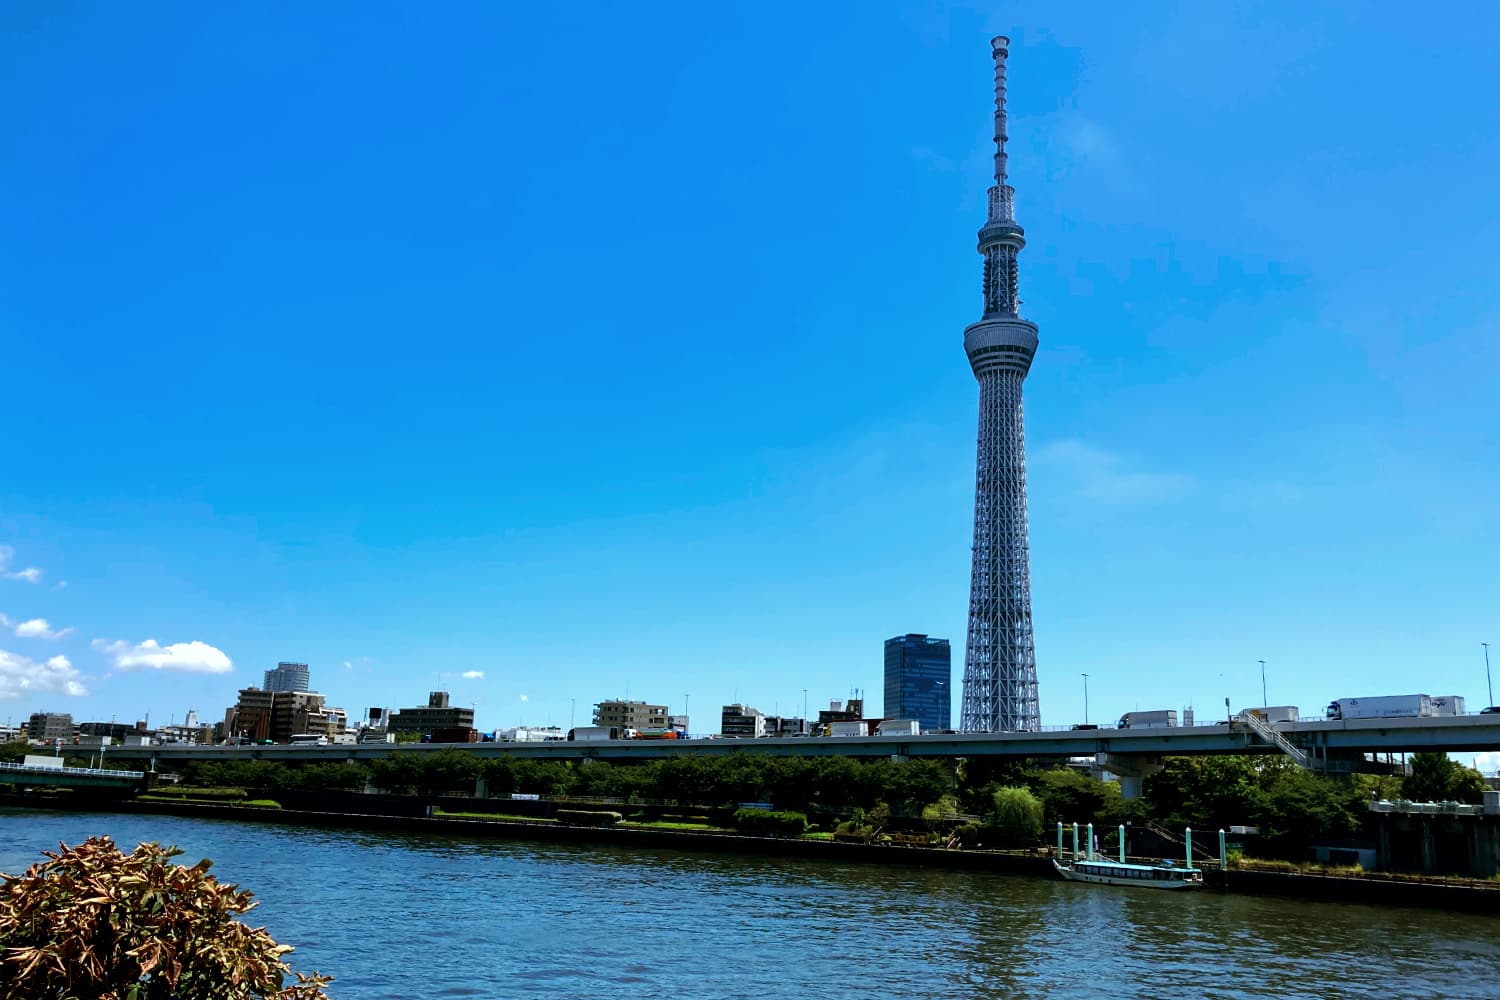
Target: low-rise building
<point>839,711</point>
<point>741,720</point>
<point>279,715</point>
<point>116,731</point>
<point>249,718</point>
<point>50,726</point>
<point>436,716</point>
<point>785,725</point>
<point>630,715</point>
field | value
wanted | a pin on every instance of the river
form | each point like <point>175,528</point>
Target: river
<point>402,915</point>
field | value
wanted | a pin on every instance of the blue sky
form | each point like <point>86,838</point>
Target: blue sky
<point>607,350</point>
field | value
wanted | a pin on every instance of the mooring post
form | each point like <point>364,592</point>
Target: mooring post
<point>1059,840</point>
<point>1190,847</point>
<point>1088,848</point>
<point>1075,841</point>
<point>1122,843</point>
<point>1223,852</point>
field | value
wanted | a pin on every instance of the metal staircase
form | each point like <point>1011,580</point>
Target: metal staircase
<point>1260,727</point>
<point>1200,853</point>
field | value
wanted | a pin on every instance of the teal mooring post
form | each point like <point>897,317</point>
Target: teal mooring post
<point>1059,840</point>
<point>1075,841</point>
<point>1088,845</point>
<point>1189,847</point>
<point>1223,852</point>
<point>1122,843</point>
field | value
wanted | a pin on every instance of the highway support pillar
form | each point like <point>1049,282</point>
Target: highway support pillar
<point>1132,769</point>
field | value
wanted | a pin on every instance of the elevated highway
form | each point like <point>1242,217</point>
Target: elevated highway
<point>32,776</point>
<point>1324,742</point>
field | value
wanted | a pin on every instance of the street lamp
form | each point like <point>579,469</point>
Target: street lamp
<point>1085,699</point>
<point>1264,703</point>
<point>804,710</point>
<point>1488,683</point>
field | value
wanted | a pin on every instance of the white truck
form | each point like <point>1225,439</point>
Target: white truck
<point>1448,704</point>
<point>1273,713</point>
<point>897,727</point>
<point>1391,706</point>
<point>1149,720</point>
<point>853,727</point>
<point>594,734</point>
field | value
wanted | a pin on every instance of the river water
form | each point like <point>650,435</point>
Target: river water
<point>412,916</point>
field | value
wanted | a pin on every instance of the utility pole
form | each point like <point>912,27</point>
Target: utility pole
<point>1488,683</point>
<point>1085,699</point>
<point>1263,702</point>
<point>804,709</point>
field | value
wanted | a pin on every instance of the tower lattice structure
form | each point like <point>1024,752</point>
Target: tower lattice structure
<point>1000,689</point>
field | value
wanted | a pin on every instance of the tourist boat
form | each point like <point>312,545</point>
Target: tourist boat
<point>1166,875</point>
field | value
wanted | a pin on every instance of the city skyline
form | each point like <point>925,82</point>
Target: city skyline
<point>388,348</point>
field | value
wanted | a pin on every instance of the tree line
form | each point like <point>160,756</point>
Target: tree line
<point>1019,800</point>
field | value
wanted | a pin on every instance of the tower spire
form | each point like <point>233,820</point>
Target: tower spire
<point>1002,195</point>
<point>1000,686</point>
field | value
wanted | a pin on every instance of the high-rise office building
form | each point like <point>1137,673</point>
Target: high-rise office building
<point>1000,690</point>
<point>919,681</point>
<point>288,677</point>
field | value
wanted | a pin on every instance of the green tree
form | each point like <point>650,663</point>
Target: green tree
<point>1299,808</point>
<point>1436,777</point>
<point>342,776</point>
<point>14,752</point>
<point>1016,817</point>
<point>1205,792</point>
<point>95,922</point>
<point>1070,797</point>
<point>400,772</point>
<point>448,770</point>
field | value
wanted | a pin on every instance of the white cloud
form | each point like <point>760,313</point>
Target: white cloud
<point>525,698</point>
<point>1105,477</point>
<point>473,675</point>
<point>60,584</point>
<point>30,574</point>
<point>38,628</point>
<point>348,665</point>
<point>20,675</point>
<point>184,657</point>
<point>1086,139</point>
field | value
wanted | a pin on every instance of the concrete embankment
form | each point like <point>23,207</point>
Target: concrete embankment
<point>1373,889</point>
<point>1458,894</point>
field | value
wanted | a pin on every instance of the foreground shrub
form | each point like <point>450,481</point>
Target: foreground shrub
<point>768,823</point>
<point>202,794</point>
<point>588,817</point>
<point>967,834</point>
<point>95,922</point>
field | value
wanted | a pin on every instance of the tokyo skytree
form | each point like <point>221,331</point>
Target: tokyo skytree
<point>1000,661</point>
